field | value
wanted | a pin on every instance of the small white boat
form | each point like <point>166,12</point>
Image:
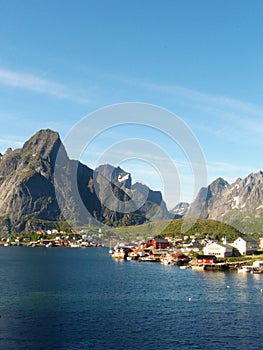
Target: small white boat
<point>198,267</point>
<point>167,261</point>
<point>244,269</point>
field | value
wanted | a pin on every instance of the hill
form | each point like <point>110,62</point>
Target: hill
<point>203,227</point>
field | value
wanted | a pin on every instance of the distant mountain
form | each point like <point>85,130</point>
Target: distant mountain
<point>150,203</point>
<point>181,209</point>
<point>34,193</point>
<point>239,204</point>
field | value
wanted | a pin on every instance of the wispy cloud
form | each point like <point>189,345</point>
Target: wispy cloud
<point>38,85</point>
<point>226,170</point>
<point>9,142</point>
<point>209,100</point>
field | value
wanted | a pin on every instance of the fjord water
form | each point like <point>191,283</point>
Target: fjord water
<point>58,298</point>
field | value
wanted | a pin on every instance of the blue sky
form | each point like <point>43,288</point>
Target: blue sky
<point>201,60</point>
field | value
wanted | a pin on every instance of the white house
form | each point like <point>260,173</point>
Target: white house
<point>260,243</point>
<point>218,249</point>
<point>246,245</point>
<point>258,264</point>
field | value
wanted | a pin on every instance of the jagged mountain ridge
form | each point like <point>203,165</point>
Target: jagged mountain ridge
<point>181,209</point>
<point>153,205</point>
<point>29,197</point>
<point>239,204</point>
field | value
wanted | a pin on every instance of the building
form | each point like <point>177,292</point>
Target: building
<point>194,246</point>
<point>218,249</point>
<point>158,243</point>
<point>260,243</point>
<point>205,259</point>
<point>258,264</point>
<point>246,245</point>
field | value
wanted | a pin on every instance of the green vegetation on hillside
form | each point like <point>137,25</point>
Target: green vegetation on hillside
<point>198,227</point>
<point>202,227</point>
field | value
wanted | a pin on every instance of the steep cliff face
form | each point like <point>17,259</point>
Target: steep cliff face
<point>154,207</point>
<point>26,180</point>
<point>148,203</point>
<point>39,183</point>
<point>117,176</point>
<point>239,204</point>
<point>209,199</point>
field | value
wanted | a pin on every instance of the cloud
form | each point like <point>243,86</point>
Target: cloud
<point>227,170</point>
<point>6,143</point>
<point>38,85</point>
<point>217,102</point>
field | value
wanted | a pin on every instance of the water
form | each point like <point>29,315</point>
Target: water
<point>58,298</point>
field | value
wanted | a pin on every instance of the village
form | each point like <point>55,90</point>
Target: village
<point>195,251</point>
<point>205,254</point>
<point>56,238</point>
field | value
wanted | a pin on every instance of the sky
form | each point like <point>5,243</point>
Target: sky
<point>61,62</point>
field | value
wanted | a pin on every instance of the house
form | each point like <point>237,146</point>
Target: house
<point>159,243</point>
<point>246,245</point>
<point>218,249</point>
<point>258,264</point>
<point>181,258</point>
<point>260,243</point>
<point>194,246</point>
<point>205,259</point>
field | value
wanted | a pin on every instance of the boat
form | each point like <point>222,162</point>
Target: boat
<point>74,245</point>
<point>184,267</point>
<point>198,267</point>
<point>167,261</point>
<point>244,269</point>
<point>118,253</point>
<point>147,259</point>
<point>110,250</point>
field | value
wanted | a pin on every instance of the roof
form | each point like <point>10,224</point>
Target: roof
<point>248,239</point>
<point>159,240</point>
<point>221,245</point>
<point>206,257</point>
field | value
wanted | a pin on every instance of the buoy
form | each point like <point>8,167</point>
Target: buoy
<point>189,299</point>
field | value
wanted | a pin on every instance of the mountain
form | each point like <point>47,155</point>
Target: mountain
<point>239,204</point>
<point>148,202</point>
<point>26,182</point>
<point>180,210</point>
<point>40,185</point>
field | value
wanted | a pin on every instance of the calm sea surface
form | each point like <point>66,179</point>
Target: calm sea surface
<point>58,298</point>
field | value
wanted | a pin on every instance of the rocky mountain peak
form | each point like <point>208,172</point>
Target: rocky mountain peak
<point>46,144</point>
<point>239,203</point>
<point>218,185</point>
<point>180,209</point>
<point>117,176</point>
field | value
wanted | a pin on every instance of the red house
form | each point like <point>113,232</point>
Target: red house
<point>159,243</point>
<point>205,259</point>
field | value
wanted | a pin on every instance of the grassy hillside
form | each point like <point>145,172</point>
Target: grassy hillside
<point>199,227</point>
<point>202,227</point>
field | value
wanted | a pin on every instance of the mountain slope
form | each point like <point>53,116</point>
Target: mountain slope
<point>39,183</point>
<point>148,202</point>
<point>239,204</point>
